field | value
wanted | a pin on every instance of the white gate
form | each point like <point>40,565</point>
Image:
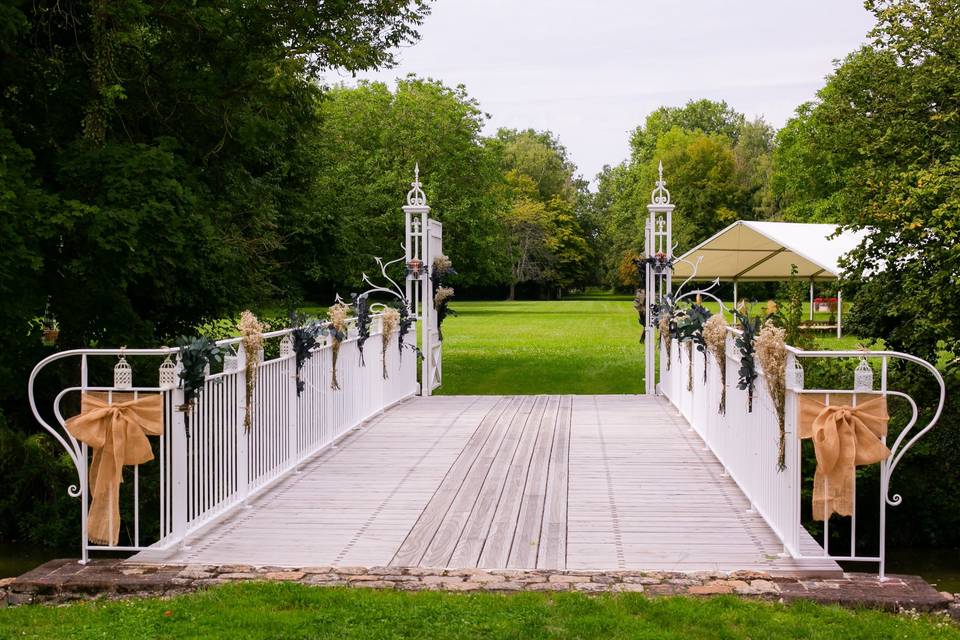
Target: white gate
<point>432,371</point>
<point>423,242</point>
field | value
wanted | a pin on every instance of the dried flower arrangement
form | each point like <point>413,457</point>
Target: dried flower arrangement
<point>715,337</point>
<point>337,328</point>
<point>251,337</point>
<point>771,349</point>
<point>391,320</point>
<point>442,294</point>
<point>441,299</point>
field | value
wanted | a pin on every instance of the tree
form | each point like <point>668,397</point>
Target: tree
<point>527,228</point>
<point>154,158</point>
<point>879,150</point>
<point>369,139</point>
<point>704,116</point>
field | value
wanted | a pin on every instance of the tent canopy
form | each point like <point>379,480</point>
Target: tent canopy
<point>764,251</point>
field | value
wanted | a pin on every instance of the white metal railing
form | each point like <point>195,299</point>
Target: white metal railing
<point>203,476</point>
<point>746,443</point>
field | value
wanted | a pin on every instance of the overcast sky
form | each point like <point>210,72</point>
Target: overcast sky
<point>591,71</point>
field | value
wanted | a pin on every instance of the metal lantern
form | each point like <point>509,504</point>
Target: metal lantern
<point>168,374</point>
<point>122,374</point>
<point>286,346</point>
<point>863,376</point>
<point>796,377</point>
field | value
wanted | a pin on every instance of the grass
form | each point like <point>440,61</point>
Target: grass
<point>524,347</point>
<point>272,610</point>
<point>584,345</point>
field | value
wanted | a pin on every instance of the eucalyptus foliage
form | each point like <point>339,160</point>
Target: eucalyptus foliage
<point>749,328</point>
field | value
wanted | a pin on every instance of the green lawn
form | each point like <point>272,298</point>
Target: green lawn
<point>525,347</point>
<point>583,345</point>
<point>271,610</point>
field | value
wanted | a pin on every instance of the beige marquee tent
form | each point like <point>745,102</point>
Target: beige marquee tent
<point>751,251</point>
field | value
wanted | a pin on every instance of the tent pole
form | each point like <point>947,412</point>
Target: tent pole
<point>734,294</point>
<point>811,300</point>
<point>839,313</point>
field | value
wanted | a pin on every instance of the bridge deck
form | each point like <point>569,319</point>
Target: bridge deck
<point>558,482</point>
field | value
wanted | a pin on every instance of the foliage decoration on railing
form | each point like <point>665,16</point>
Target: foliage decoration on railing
<point>771,349</point>
<point>361,306</point>
<point>715,337</point>
<point>744,343</point>
<point>337,329</point>
<point>251,337</point>
<point>196,354</point>
<point>406,321</point>
<point>690,328</point>
<point>659,261</point>
<point>304,336</point>
<point>391,320</point>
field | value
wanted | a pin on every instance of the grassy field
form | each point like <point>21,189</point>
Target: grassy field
<point>589,344</point>
<point>270,610</point>
<point>570,346</point>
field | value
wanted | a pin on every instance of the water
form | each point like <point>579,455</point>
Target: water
<point>939,567</point>
<point>16,559</point>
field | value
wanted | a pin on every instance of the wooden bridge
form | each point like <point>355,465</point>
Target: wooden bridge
<point>556,482</point>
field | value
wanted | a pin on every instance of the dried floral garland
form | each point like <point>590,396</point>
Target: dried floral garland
<point>361,306</point>
<point>664,315</point>
<point>441,301</point>
<point>715,337</point>
<point>391,320</point>
<point>251,337</point>
<point>771,349</point>
<point>196,354</point>
<point>749,328</point>
<point>304,335</point>
<point>337,329</point>
<point>442,293</point>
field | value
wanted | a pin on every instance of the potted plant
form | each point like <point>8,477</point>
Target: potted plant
<point>51,331</point>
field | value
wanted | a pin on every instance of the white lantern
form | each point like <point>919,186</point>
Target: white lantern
<point>796,377</point>
<point>230,362</point>
<point>863,376</point>
<point>168,374</point>
<point>286,346</point>
<point>122,374</point>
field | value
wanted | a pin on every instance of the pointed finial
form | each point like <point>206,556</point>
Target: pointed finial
<point>416,197</point>
<point>660,195</point>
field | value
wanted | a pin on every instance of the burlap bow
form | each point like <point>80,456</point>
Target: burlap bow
<point>117,432</point>
<point>843,436</point>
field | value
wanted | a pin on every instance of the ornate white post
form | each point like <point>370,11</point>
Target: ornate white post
<point>418,292</point>
<point>658,243</point>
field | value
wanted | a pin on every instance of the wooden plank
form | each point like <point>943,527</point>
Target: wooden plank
<point>474,536</point>
<point>417,541</point>
<point>552,553</point>
<point>484,474</point>
<point>496,549</point>
<point>526,538</point>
